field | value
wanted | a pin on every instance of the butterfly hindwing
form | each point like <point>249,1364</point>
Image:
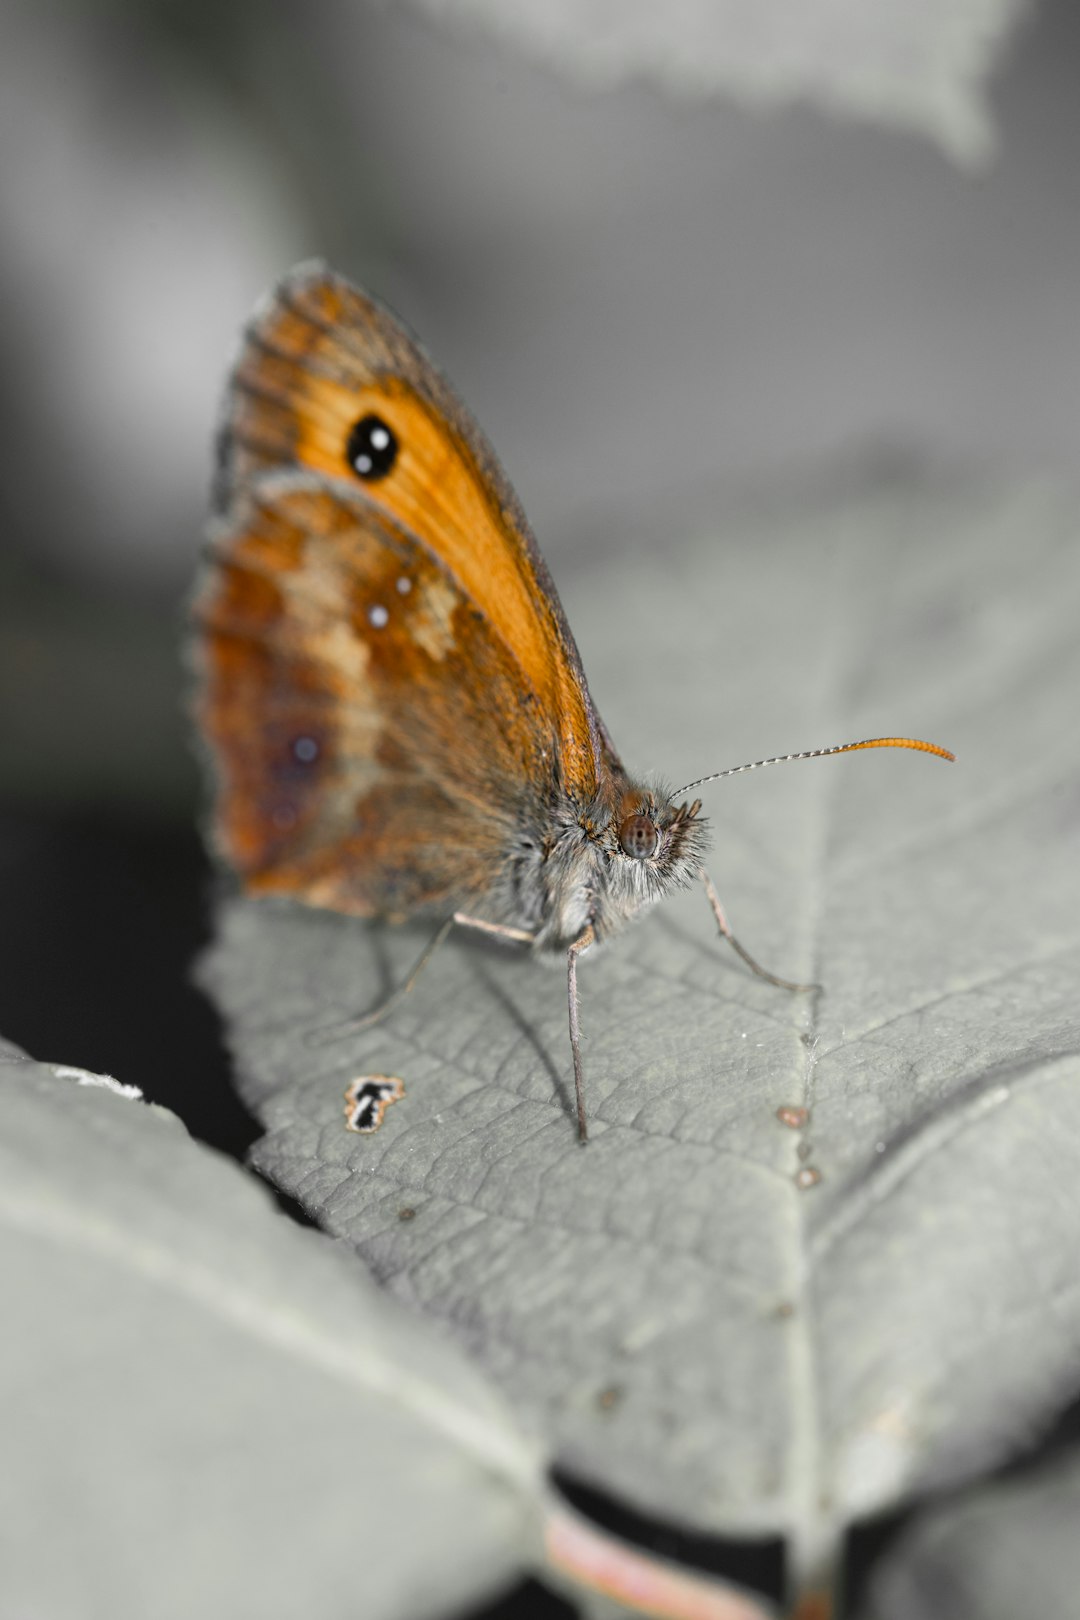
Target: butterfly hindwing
<point>373,741</point>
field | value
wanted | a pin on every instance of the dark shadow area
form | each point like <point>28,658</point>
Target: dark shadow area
<point>529,1601</point>
<point>103,916</point>
<point>867,1544</point>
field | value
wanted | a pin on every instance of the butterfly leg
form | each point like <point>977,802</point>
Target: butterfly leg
<point>336,1031</point>
<point>740,950</point>
<point>581,944</point>
<point>520,936</point>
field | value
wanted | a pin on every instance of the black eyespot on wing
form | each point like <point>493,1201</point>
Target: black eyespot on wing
<point>371,448</point>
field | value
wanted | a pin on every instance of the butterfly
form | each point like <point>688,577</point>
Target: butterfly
<point>396,713</point>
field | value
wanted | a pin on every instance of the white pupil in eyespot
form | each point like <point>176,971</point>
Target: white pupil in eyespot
<point>363,463</point>
<point>380,438</point>
<point>378,615</point>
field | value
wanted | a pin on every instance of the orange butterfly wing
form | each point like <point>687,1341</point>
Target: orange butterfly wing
<point>387,678</point>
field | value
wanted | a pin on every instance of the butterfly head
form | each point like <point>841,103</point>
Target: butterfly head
<point>650,828</point>
<point>651,846</point>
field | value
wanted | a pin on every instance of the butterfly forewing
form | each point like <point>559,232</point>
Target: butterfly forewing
<point>321,357</point>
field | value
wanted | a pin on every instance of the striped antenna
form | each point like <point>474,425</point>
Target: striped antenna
<point>820,753</point>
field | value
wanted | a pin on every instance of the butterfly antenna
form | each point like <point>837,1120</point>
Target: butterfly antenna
<point>820,753</point>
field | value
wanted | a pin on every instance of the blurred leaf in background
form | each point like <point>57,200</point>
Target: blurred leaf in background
<point>922,67</point>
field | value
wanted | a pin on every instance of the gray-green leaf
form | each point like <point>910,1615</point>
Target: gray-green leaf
<point>207,1410</point>
<point>736,1323</point>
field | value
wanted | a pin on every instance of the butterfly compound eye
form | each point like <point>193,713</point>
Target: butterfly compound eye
<point>371,448</point>
<point>638,837</point>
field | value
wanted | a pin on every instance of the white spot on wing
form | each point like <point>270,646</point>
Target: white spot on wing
<point>431,618</point>
<point>378,616</point>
